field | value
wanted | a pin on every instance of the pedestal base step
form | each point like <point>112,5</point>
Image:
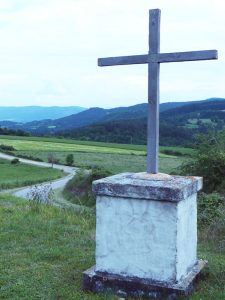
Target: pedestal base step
<point>99,282</point>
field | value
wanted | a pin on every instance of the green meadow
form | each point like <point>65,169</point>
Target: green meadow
<point>113,157</point>
<point>44,251</point>
<point>62,144</point>
<point>17,175</point>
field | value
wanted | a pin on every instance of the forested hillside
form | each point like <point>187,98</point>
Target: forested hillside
<point>177,125</point>
<point>179,122</point>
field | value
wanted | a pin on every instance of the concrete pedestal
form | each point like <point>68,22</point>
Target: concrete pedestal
<point>146,235</point>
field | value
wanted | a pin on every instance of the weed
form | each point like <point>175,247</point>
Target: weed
<point>42,193</point>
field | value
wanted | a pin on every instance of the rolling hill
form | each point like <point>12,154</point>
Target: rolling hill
<point>177,125</point>
<point>179,121</point>
<point>23,114</point>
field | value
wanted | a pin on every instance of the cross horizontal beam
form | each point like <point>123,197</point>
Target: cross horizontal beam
<point>158,58</point>
<point>187,56</point>
<point>123,60</point>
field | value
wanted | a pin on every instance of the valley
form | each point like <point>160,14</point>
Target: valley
<point>59,242</point>
<point>179,123</point>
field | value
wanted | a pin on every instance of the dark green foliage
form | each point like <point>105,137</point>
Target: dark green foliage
<point>6,148</point>
<point>128,125</point>
<point>15,161</point>
<point>211,219</point>
<point>172,152</point>
<point>210,207</point>
<point>209,161</point>
<point>130,132</point>
<point>79,189</point>
<point>7,131</point>
<point>69,159</point>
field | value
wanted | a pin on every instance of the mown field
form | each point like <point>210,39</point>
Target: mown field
<point>16,175</point>
<point>141,149</point>
<point>114,157</point>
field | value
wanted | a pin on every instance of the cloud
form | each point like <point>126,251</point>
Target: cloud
<point>49,50</point>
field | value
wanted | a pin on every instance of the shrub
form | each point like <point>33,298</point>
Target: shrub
<point>79,189</point>
<point>211,218</point>
<point>209,162</point>
<point>15,161</point>
<point>69,159</point>
<point>209,208</point>
<point>172,152</point>
<point>7,148</point>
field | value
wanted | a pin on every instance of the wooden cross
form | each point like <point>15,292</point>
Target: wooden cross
<point>153,59</point>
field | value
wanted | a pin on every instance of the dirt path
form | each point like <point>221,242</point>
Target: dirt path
<point>56,184</point>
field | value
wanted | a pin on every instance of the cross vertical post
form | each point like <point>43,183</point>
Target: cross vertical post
<point>154,58</point>
<point>153,93</point>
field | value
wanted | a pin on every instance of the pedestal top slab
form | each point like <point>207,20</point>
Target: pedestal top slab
<point>158,187</point>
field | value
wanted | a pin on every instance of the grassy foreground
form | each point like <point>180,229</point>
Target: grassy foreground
<point>16,175</point>
<point>44,251</point>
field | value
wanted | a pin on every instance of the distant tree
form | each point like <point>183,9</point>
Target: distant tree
<point>69,159</point>
<point>52,158</point>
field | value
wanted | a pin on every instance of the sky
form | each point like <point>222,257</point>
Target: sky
<point>49,51</point>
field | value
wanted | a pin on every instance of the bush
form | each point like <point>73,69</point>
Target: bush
<point>79,189</point>
<point>171,152</point>
<point>69,159</point>
<point>211,218</point>
<point>15,161</point>
<point>209,162</point>
<point>7,148</point>
<point>209,208</point>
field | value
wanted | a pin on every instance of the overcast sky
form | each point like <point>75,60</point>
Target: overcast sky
<point>49,51</point>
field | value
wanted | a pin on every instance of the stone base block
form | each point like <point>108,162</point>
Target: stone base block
<point>98,282</point>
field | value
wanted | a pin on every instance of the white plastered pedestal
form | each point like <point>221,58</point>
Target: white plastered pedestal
<point>146,227</point>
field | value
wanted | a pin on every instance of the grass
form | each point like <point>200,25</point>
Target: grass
<point>16,175</point>
<point>44,251</point>
<point>113,157</point>
<point>115,163</point>
<point>21,143</point>
<point>25,145</point>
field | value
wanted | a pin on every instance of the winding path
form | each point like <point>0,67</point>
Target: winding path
<point>55,184</point>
